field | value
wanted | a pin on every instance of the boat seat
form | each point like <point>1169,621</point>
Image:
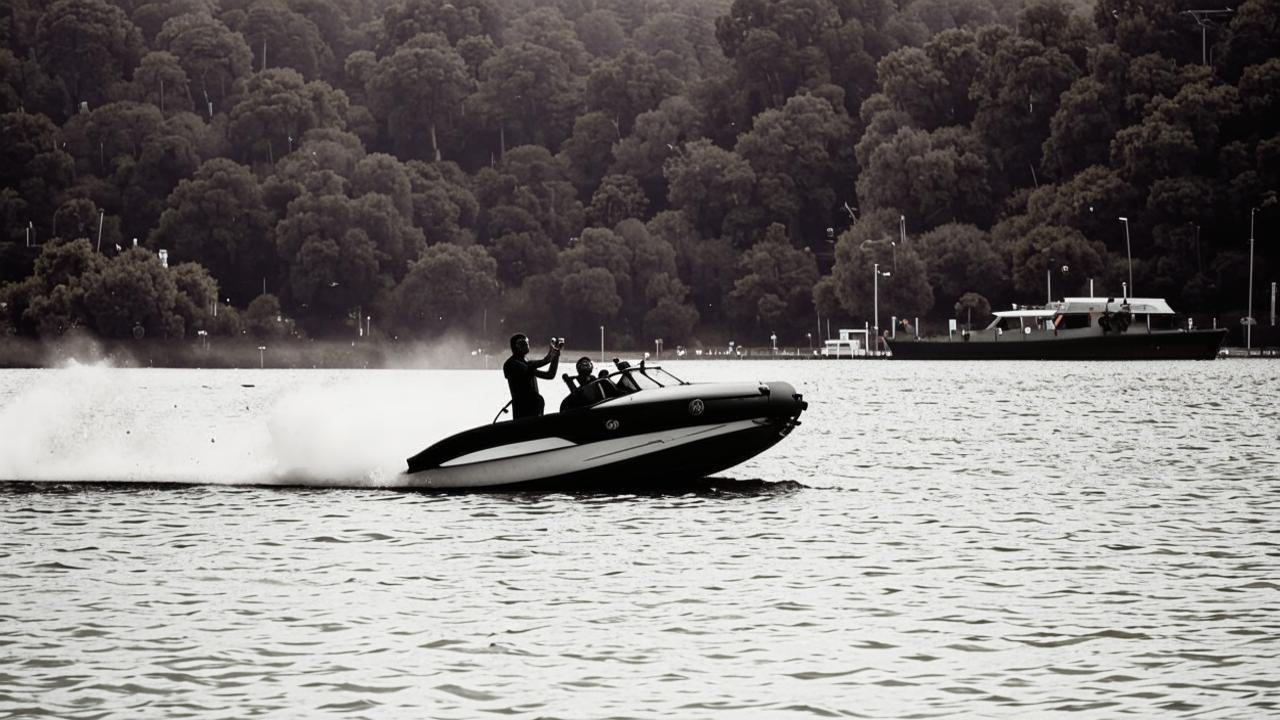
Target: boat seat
<point>589,394</point>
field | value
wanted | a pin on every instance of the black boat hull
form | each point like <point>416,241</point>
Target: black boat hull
<point>1135,345</point>
<point>630,443</point>
<point>650,471</point>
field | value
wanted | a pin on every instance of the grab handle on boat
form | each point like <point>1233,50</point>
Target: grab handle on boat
<point>500,412</point>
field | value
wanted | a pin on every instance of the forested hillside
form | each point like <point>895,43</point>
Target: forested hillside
<point>691,170</point>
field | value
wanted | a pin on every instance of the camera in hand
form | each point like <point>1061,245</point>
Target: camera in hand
<point>557,343</point>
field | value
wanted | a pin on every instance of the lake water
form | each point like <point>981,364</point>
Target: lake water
<point>936,540</point>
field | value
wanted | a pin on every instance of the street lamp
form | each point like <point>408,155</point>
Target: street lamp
<point>875,282</point>
<point>810,336</point>
<point>261,361</point>
<point>1204,18</point>
<point>1048,277</point>
<point>1248,321</point>
<point>773,341</point>
<point>602,345</point>
<point>1128,253</point>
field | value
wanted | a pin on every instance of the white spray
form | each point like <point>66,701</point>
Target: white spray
<point>329,428</point>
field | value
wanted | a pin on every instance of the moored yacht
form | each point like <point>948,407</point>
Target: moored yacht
<point>1076,328</point>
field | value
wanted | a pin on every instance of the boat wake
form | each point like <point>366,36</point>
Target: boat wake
<point>94,425</point>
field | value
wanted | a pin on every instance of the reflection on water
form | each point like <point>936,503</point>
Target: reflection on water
<point>985,539</point>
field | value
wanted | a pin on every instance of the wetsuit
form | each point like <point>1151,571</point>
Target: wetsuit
<point>522,378</point>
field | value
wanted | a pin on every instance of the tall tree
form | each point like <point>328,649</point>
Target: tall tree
<point>962,259</point>
<point>445,288</point>
<point>275,107</point>
<point>151,16</point>
<point>801,157</point>
<point>905,292</point>
<point>934,178</point>
<point>33,162</point>
<point>161,81</point>
<point>774,289</point>
<point>133,295</point>
<point>618,198</point>
<point>656,135</point>
<point>444,205</point>
<point>280,37</point>
<point>711,185</point>
<point>530,179</point>
<point>626,86</point>
<point>589,150</point>
<point>90,45</point>
<point>600,33</point>
<point>528,88</point>
<point>1017,93</point>
<point>777,45</point>
<point>213,56</point>
<point>418,88</point>
<point>218,219</point>
<point>547,27</point>
<point>454,19</point>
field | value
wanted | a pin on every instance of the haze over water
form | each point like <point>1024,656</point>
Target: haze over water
<point>935,540</point>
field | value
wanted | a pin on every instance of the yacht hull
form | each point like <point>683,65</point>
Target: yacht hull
<point>1137,344</point>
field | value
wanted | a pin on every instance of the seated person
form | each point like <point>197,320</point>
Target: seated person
<point>589,389</point>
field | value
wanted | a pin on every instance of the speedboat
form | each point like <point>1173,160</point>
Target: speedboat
<point>1077,328</point>
<point>636,427</point>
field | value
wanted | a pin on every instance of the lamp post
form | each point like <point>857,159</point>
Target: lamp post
<point>875,283</point>
<point>1048,278</point>
<point>1204,18</point>
<point>1128,253</point>
<point>261,361</point>
<point>773,342</point>
<point>810,336</point>
<point>602,345</point>
<point>1248,321</point>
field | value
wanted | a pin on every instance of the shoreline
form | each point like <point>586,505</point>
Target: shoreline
<point>17,353</point>
<point>221,353</point>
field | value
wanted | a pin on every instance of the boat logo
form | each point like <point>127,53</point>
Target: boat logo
<point>610,424</point>
<point>696,407</point>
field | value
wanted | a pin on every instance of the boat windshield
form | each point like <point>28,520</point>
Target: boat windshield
<point>631,379</point>
<point>624,381</point>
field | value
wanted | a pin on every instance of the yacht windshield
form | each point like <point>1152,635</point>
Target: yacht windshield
<point>633,379</point>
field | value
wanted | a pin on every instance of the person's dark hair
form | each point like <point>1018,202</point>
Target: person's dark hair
<point>517,338</point>
<point>578,362</point>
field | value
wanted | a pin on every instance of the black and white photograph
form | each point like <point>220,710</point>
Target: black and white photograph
<point>639,359</point>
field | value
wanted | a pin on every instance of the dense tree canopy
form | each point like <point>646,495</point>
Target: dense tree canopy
<point>683,170</point>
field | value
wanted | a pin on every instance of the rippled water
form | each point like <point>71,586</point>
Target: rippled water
<point>936,540</point>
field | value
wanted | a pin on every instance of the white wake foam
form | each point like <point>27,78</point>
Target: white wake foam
<point>326,428</point>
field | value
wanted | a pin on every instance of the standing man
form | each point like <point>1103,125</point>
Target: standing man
<point>522,375</point>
